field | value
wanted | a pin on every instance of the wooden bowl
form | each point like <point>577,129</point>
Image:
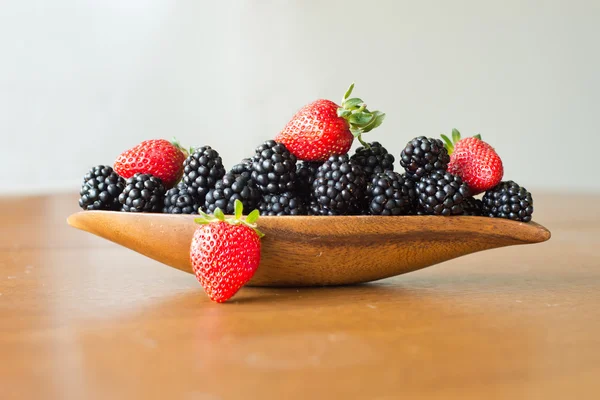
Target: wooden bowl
<point>317,251</point>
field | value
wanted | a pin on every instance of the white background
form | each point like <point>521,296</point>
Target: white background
<point>80,81</point>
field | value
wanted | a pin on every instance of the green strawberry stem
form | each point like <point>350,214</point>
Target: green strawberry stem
<point>449,144</point>
<point>359,118</point>
<point>219,216</point>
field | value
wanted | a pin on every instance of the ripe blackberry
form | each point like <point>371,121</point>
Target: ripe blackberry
<point>228,189</point>
<point>305,176</point>
<point>508,200</point>
<point>472,207</point>
<point>274,168</point>
<point>422,156</point>
<point>441,193</point>
<point>179,200</point>
<point>101,189</point>
<point>313,208</point>
<point>282,204</point>
<point>389,194</point>
<point>244,167</point>
<point>201,170</point>
<point>340,186</point>
<point>373,160</point>
<point>410,187</point>
<point>142,193</point>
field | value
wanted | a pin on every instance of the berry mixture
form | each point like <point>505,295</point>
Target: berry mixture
<point>307,169</point>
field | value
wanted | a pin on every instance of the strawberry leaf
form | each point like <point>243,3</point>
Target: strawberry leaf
<point>449,145</point>
<point>353,103</point>
<point>348,92</point>
<point>237,219</point>
<point>455,135</point>
<point>377,120</point>
<point>219,214</point>
<point>205,215</point>
<point>238,208</point>
<point>361,119</point>
<point>343,113</point>
<point>202,220</point>
<point>252,217</point>
<point>478,136</point>
<point>447,140</point>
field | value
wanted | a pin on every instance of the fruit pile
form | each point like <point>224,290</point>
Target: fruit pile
<point>307,170</point>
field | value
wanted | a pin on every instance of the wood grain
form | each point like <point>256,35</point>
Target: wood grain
<point>83,318</point>
<point>317,251</point>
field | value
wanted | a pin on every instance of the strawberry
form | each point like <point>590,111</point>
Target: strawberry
<point>157,157</point>
<point>322,128</point>
<point>225,253</point>
<point>475,161</point>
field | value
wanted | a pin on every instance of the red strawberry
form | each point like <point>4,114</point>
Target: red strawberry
<point>475,161</point>
<point>158,157</point>
<point>225,253</point>
<point>322,128</point>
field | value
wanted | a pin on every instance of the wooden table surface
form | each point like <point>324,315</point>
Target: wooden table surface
<point>82,318</point>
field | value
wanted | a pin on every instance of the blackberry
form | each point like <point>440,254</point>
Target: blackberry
<point>390,193</point>
<point>201,170</point>
<point>508,200</point>
<point>179,200</point>
<point>340,186</point>
<point>441,193</point>
<point>274,168</point>
<point>472,207</point>
<point>282,204</point>
<point>315,209</point>
<point>410,187</point>
<point>422,156</point>
<point>101,189</point>
<point>374,160</point>
<point>312,208</point>
<point>244,167</point>
<point>228,189</point>
<point>305,176</point>
<point>142,193</point>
